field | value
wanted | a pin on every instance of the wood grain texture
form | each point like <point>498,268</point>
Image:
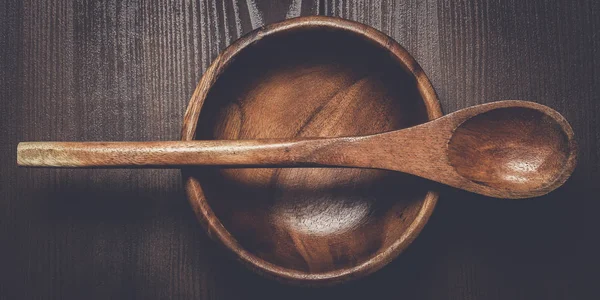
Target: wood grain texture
<point>308,78</point>
<point>107,70</point>
<point>478,51</point>
<point>112,70</point>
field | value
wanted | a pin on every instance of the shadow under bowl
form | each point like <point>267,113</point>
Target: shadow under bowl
<point>310,77</point>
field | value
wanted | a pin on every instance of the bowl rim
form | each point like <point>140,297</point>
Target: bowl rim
<point>207,217</point>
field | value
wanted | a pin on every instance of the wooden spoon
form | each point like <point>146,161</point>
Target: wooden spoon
<point>506,149</point>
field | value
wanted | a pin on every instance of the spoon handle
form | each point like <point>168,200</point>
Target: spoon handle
<point>271,152</point>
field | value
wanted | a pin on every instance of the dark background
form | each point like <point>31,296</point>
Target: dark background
<point>124,70</point>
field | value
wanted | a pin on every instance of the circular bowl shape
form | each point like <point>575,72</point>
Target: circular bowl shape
<point>310,77</point>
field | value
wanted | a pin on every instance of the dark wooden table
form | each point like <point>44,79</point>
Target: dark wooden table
<point>124,70</point>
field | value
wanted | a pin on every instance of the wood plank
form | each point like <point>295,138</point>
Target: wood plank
<point>120,70</point>
<point>480,51</point>
<point>108,70</point>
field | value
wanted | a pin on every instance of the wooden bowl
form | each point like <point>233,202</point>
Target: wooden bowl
<point>310,77</point>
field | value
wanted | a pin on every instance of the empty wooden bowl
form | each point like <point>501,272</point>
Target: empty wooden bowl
<point>310,77</point>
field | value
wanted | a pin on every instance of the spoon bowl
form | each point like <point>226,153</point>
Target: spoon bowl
<point>516,148</point>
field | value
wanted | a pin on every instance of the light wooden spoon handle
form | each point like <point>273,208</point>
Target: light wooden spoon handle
<point>272,152</point>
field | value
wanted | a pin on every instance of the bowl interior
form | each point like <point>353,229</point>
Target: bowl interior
<point>312,83</point>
